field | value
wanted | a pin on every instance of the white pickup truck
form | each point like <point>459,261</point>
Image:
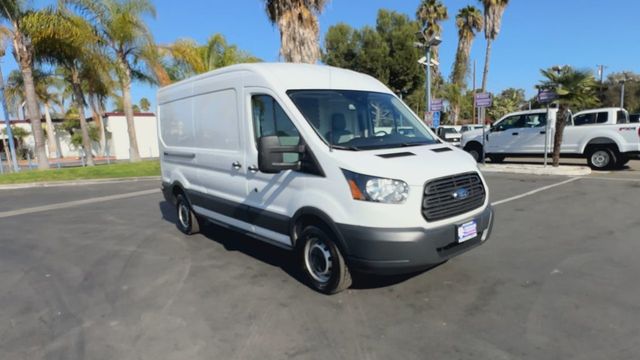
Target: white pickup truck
<point>603,136</point>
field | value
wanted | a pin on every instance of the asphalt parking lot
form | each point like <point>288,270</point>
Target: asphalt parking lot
<point>114,279</point>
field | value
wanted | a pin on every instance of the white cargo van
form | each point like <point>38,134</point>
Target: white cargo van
<point>319,160</point>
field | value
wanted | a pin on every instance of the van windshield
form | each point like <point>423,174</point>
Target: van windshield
<point>360,120</point>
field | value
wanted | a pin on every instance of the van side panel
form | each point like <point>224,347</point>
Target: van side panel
<point>176,133</point>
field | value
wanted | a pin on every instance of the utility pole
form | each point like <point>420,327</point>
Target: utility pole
<point>622,93</point>
<point>428,80</point>
<point>601,75</point>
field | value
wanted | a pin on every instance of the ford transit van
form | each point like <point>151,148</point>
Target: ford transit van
<point>322,161</point>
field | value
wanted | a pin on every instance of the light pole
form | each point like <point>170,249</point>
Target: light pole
<point>428,43</point>
<point>622,92</point>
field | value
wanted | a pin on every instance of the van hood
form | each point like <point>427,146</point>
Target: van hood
<point>415,164</point>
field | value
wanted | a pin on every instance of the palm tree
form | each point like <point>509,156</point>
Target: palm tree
<point>299,29</point>
<point>145,104</point>
<point>68,41</point>
<point>10,152</point>
<point>188,58</point>
<point>576,89</point>
<point>431,13</point>
<point>121,27</point>
<point>15,12</point>
<point>15,92</point>
<point>493,11</point>
<point>469,22</point>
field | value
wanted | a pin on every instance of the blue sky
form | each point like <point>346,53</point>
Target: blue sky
<point>535,33</point>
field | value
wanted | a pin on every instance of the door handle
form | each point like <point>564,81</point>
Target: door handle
<point>254,169</point>
<point>543,132</point>
<point>236,165</point>
<point>514,134</point>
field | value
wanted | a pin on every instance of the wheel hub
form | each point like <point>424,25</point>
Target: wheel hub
<point>183,215</point>
<point>318,260</point>
<point>600,158</point>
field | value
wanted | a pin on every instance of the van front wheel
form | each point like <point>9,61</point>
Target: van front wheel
<point>186,219</point>
<point>322,262</point>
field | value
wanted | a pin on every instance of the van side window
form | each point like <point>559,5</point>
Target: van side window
<point>269,119</point>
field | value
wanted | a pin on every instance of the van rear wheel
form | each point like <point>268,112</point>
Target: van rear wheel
<point>323,264</point>
<point>186,219</point>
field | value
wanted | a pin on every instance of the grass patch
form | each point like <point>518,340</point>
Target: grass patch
<point>121,170</point>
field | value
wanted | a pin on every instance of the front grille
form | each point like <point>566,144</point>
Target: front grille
<point>452,195</point>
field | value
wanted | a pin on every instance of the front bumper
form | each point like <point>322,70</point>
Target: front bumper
<point>397,251</point>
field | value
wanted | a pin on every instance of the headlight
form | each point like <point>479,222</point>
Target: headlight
<point>371,188</point>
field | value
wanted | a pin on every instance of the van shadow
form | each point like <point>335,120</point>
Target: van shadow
<point>284,259</point>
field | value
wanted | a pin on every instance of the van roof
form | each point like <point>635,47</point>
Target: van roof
<point>298,76</point>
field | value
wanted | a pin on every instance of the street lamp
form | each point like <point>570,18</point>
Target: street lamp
<point>621,82</point>
<point>428,43</point>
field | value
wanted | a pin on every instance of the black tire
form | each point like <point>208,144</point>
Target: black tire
<point>622,161</point>
<point>317,248</point>
<point>475,150</point>
<point>497,159</point>
<point>186,220</point>
<point>602,158</point>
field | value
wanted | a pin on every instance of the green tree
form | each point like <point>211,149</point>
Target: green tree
<point>19,134</point>
<point>145,105</point>
<point>120,25</point>
<point>610,96</point>
<point>188,58</point>
<point>15,13</point>
<point>385,52</point>
<point>576,89</point>
<point>63,39</point>
<point>508,101</point>
<point>469,22</point>
<point>493,11</point>
<point>341,46</point>
<point>297,21</point>
<point>15,93</point>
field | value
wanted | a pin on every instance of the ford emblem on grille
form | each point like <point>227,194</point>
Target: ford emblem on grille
<point>461,194</point>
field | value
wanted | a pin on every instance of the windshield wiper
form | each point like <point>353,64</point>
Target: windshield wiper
<point>342,147</point>
<point>414,144</point>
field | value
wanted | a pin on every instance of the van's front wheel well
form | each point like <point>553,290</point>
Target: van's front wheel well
<point>311,216</point>
<point>176,189</point>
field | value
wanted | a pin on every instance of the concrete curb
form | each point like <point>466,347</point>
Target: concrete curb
<point>77,182</point>
<point>536,169</point>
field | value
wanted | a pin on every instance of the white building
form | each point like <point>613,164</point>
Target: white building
<point>117,144</point>
<point>146,126</point>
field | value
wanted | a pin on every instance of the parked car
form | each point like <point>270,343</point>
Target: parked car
<point>449,134</point>
<point>296,155</point>
<point>604,145</point>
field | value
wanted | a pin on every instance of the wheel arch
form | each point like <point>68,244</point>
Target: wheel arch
<point>311,215</point>
<point>601,141</point>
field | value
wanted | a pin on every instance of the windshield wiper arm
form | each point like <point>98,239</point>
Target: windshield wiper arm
<point>414,144</point>
<point>342,147</point>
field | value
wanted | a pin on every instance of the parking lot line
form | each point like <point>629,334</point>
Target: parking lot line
<point>68,204</point>
<point>610,179</point>
<point>528,193</point>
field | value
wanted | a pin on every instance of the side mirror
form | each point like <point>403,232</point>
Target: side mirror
<point>271,155</point>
